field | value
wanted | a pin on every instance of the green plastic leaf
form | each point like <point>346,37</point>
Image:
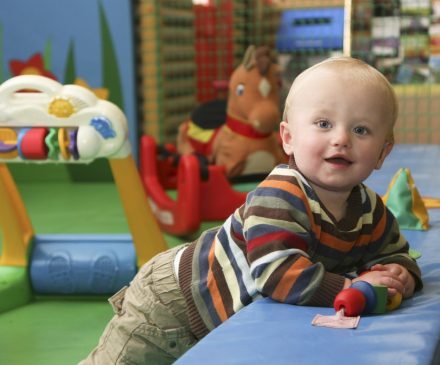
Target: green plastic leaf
<point>48,55</point>
<point>70,73</point>
<point>111,77</point>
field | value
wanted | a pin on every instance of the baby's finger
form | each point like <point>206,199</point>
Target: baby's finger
<point>395,269</point>
<point>401,277</point>
<point>390,274</point>
<point>378,267</point>
<point>392,283</point>
<point>391,292</point>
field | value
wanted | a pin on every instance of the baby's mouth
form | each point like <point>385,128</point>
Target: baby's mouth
<point>338,161</point>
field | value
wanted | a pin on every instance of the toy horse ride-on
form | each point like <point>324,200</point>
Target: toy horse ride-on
<point>223,141</point>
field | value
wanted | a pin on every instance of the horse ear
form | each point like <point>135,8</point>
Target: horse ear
<point>263,60</point>
<point>249,58</point>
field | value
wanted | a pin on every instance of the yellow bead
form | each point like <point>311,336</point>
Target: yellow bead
<point>394,302</point>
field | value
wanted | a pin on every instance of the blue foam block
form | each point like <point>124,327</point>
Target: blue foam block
<point>82,264</point>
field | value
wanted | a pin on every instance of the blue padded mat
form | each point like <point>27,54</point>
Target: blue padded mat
<point>267,332</point>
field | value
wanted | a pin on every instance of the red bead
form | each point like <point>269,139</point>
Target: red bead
<point>352,300</point>
<point>33,145</point>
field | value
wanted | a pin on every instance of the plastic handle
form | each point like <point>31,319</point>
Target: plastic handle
<point>34,82</point>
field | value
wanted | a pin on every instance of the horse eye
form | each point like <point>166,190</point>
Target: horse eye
<point>240,89</point>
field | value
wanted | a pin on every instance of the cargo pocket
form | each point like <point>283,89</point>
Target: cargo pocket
<point>117,300</point>
<point>160,340</point>
<point>165,340</point>
<point>151,345</point>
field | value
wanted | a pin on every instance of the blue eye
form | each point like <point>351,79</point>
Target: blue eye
<point>324,124</point>
<point>360,130</point>
<point>240,89</point>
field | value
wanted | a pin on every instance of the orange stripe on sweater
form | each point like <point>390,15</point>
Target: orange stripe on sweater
<point>295,190</point>
<point>213,289</point>
<point>380,228</point>
<point>336,243</point>
<point>363,240</point>
<point>341,245</point>
<point>289,278</point>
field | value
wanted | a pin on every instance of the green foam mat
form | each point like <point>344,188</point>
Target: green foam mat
<point>52,332</point>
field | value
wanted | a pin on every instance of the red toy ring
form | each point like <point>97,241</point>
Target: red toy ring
<point>353,300</point>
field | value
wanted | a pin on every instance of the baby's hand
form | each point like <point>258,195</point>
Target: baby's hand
<point>405,277</point>
<point>384,277</point>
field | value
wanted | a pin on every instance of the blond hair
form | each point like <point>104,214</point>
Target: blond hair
<point>357,71</point>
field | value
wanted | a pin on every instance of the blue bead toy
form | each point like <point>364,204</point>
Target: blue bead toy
<point>370,295</point>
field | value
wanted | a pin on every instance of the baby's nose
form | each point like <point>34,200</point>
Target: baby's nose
<point>341,138</point>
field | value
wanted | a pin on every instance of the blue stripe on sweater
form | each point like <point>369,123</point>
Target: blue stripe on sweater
<point>236,225</point>
<point>258,271</point>
<point>204,270</point>
<point>249,196</point>
<point>301,284</point>
<point>223,238</point>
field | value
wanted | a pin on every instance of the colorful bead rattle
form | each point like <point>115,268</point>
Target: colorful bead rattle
<point>363,298</point>
<point>360,298</point>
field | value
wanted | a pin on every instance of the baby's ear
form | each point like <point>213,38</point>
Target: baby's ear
<point>386,150</point>
<point>286,136</point>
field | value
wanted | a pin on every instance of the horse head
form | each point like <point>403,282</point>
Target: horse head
<point>241,138</point>
<point>254,90</point>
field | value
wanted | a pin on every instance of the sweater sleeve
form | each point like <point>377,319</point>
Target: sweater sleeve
<point>277,226</point>
<point>392,246</point>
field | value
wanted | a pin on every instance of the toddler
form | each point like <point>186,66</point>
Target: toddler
<point>303,235</point>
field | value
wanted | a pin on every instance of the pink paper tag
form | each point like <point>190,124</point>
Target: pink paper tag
<point>336,321</point>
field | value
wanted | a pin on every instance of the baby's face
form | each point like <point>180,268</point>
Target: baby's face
<point>337,130</point>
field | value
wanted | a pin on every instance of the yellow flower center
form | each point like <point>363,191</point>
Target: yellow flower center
<point>31,71</point>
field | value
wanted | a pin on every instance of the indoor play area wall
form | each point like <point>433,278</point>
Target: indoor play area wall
<point>188,48</point>
<point>158,59</point>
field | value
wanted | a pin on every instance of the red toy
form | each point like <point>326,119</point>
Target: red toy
<point>235,139</point>
<point>197,200</point>
<point>359,299</point>
<point>352,300</point>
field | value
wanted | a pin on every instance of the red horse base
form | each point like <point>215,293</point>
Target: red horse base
<point>197,200</point>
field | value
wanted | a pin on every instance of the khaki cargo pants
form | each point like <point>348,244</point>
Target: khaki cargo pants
<point>151,324</point>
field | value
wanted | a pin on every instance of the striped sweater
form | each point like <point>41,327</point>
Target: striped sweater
<point>283,243</point>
